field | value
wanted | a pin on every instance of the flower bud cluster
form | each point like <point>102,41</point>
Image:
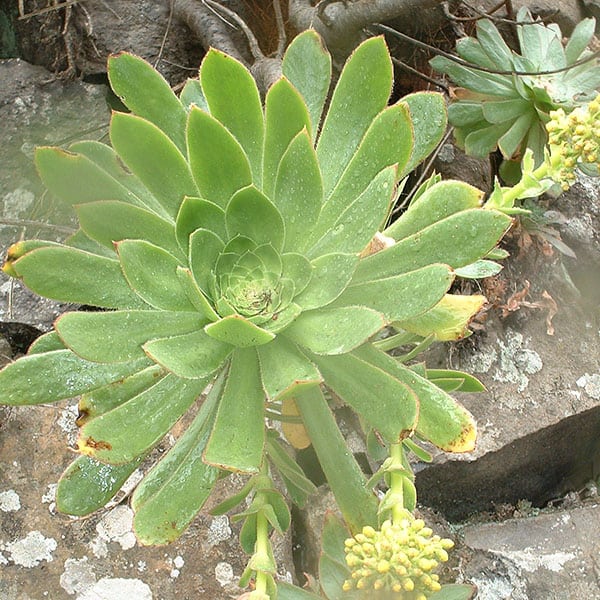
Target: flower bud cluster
<point>399,558</point>
<point>574,138</point>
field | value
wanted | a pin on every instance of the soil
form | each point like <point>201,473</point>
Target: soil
<point>537,450</point>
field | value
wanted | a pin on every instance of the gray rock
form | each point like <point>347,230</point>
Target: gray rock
<point>37,110</point>
<point>567,13</point>
<point>592,8</point>
<point>98,29</point>
<point>581,206</point>
<point>537,425</point>
<point>453,163</point>
<point>546,557</point>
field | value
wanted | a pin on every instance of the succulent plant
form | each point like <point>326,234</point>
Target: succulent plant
<point>498,108</point>
<point>229,253</point>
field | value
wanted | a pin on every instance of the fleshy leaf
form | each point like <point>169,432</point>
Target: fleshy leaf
<point>298,269</point>
<point>295,433</point>
<point>70,275</point>
<point>205,248</point>
<point>111,221</point>
<point>307,65</point>
<point>101,400</point>
<point>468,382</point>
<point>428,117</point>
<point>152,273</point>
<point>503,110</point>
<point>387,142</point>
<point>434,204</point>
<point>117,336</point>
<point>20,249</point>
<point>298,191</point>
<point>464,113</point>
<point>196,295</point>
<point>457,240</point>
<point>62,375</point>
<point>383,401</point>
<point>103,156</point>
<point>361,93</point>
<point>238,436</point>
<point>218,162</point>
<point>579,40</point>
<point>483,83</point>
<point>196,213</point>
<point>280,320</point>
<point>46,343</point>
<point>81,241</point>
<point>192,94</point>
<point>286,115</point>
<point>250,213</point>
<point>511,141</point>
<point>128,76</point>
<point>283,367</point>
<point>335,330</point>
<point>87,485</point>
<point>402,296</point>
<point>76,179</point>
<point>238,331</point>
<point>494,45</point>
<point>296,482</point>
<point>192,355</point>
<point>484,140</point>
<point>233,99</point>
<point>172,493</point>
<point>331,275</point>
<point>479,270</point>
<point>129,430</point>
<point>442,420</point>
<point>157,161</point>
<point>354,227</point>
<point>448,320</point>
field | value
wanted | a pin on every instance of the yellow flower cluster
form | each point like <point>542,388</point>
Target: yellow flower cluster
<point>397,560</point>
<point>573,138</point>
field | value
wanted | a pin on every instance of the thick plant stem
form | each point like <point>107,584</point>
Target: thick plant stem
<point>397,484</point>
<point>514,193</point>
<point>347,482</point>
<point>262,548</point>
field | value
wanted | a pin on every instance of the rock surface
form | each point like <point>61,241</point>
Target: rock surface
<point>47,555</point>
<point>538,422</point>
<point>567,13</point>
<point>37,110</point>
<point>551,556</point>
<point>92,31</point>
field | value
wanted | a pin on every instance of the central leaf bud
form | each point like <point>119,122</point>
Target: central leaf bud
<point>249,281</point>
<point>254,299</point>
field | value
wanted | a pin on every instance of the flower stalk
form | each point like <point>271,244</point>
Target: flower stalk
<point>263,551</point>
<point>397,484</point>
<point>573,144</point>
<point>399,558</point>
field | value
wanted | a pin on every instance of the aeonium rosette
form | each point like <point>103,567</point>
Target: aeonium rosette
<point>222,243</point>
